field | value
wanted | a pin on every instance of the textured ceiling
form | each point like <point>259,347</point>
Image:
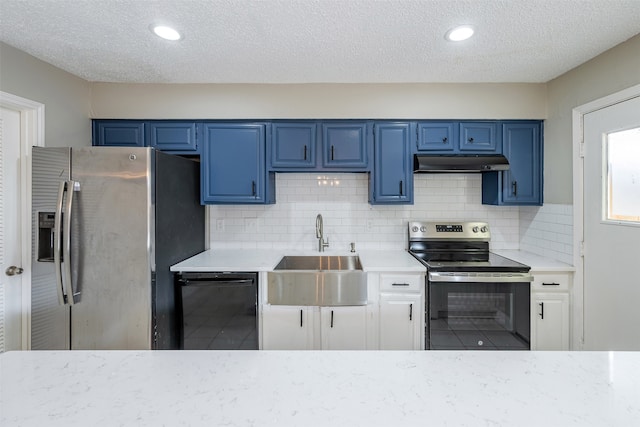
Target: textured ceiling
<point>307,41</point>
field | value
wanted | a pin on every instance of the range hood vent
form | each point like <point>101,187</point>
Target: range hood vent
<point>460,163</point>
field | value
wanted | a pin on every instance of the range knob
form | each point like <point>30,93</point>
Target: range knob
<point>484,229</point>
<point>475,229</point>
<point>423,228</point>
<point>414,229</point>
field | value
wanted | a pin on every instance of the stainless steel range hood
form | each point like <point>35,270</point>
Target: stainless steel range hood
<point>423,163</point>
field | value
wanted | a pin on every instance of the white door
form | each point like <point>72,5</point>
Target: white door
<point>11,264</point>
<point>611,238</point>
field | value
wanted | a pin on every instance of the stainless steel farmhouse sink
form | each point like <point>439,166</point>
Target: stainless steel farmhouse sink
<point>317,280</point>
<point>320,262</point>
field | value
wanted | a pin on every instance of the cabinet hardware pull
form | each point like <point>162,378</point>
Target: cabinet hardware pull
<point>399,284</point>
<point>305,151</point>
<point>471,140</point>
<point>541,310</point>
<point>444,140</point>
<point>514,188</point>
<point>301,318</point>
<point>551,284</point>
<point>332,318</point>
<point>253,188</point>
<point>410,312</point>
<point>401,189</point>
<point>332,152</point>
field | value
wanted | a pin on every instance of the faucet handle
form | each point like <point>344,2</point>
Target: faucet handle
<point>325,243</point>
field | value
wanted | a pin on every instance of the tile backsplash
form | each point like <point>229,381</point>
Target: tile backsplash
<point>342,199</point>
<point>548,231</point>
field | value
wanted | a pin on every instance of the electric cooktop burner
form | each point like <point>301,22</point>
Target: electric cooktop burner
<point>457,246</point>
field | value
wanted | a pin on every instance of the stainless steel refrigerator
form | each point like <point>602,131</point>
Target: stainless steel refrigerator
<point>108,223</point>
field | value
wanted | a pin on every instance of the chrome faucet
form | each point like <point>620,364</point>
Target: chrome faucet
<point>320,234</point>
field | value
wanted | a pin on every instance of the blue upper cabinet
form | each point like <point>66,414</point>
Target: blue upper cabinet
<point>233,165</point>
<point>522,183</point>
<point>391,181</point>
<point>118,133</point>
<point>172,136</point>
<point>332,146</point>
<point>457,137</point>
<point>345,145</point>
<point>436,136</point>
<point>479,136</point>
<point>293,145</point>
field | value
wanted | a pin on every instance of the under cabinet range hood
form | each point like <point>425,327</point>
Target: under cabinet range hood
<point>428,163</point>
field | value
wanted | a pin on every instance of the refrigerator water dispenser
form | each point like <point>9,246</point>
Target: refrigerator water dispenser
<point>46,222</point>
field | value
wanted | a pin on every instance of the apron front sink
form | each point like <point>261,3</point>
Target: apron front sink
<point>318,281</point>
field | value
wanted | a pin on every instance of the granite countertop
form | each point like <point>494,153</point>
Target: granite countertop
<point>266,260</point>
<point>313,388</point>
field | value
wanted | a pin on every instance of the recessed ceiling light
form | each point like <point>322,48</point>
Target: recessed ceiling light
<point>165,32</point>
<point>459,33</point>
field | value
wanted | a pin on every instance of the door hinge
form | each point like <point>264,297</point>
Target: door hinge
<point>581,249</point>
<point>582,149</point>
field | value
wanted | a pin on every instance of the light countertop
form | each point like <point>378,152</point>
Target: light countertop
<point>266,260</point>
<point>272,388</point>
<point>536,262</point>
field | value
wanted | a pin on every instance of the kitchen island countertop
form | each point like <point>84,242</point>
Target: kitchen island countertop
<point>267,259</point>
<point>313,388</point>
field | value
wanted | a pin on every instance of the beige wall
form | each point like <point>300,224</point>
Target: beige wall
<point>246,101</point>
<point>610,72</point>
<point>66,97</point>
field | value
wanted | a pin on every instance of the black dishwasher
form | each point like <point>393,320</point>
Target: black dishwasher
<point>217,311</point>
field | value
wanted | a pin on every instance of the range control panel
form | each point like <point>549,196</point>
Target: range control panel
<point>432,230</point>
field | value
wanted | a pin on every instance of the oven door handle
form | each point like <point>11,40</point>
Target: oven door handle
<point>480,277</point>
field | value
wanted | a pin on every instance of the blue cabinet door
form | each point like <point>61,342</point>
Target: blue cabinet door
<point>293,145</point>
<point>479,137</point>
<point>118,133</point>
<point>233,164</point>
<point>456,137</point>
<point>175,136</point>
<point>436,136</point>
<point>344,145</point>
<point>391,180</point>
<point>522,184</point>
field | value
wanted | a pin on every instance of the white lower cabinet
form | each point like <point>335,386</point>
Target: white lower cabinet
<point>550,311</point>
<point>287,327</point>
<point>550,321</point>
<point>343,328</point>
<point>400,322</point>
<point>401,312</point>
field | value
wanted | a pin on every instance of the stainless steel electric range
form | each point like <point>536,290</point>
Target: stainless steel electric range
<point>476,300</point>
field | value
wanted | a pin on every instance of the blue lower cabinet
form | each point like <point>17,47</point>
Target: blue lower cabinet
<point>172,136</point>
<point>522,184</point>
<point>391,180</point>
<point>118,133</point>
<point>233,164</point>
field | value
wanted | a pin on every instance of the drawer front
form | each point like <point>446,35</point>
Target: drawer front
<point>550,282</point>
<point>402,283</point>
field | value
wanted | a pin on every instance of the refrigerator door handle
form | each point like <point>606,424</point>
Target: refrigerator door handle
<point>71,295</point>
<point>57,243</point>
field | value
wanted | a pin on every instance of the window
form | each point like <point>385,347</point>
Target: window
<point>623,176</point>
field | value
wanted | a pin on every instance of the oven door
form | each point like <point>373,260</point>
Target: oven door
<point>483,311</point>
